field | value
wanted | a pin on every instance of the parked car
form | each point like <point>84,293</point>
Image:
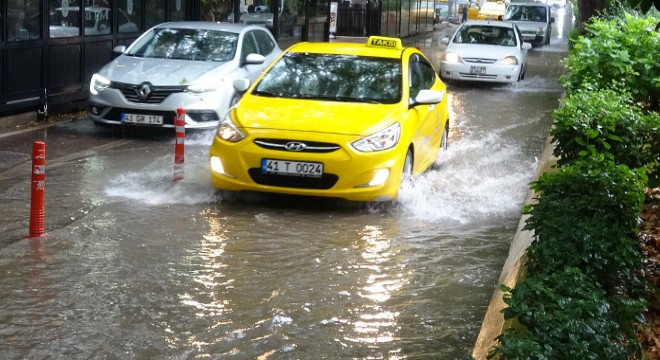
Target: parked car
<point>343,120</point>
<point>179,64</point>
<point>534,20</point>
<point>480,50</point>
<point>492,10</point>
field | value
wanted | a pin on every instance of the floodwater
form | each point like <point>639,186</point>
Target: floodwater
<point>135,266</point>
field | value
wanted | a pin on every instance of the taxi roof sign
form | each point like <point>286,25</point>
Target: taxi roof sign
<point>385,42</point>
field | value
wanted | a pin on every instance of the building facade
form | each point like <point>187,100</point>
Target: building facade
<point>49,49</point>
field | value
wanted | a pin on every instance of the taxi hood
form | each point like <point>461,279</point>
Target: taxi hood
<point>313,116</point>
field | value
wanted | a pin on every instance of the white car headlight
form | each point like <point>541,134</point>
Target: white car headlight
<point>202,87</point>
<point>98,83</point>
<point>382,140</point>
<point>451,58</point>
<point>509,60</point>
<point>228,131</point>
<point>540,31</point>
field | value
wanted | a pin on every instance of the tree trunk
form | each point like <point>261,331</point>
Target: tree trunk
<point>589,9</point>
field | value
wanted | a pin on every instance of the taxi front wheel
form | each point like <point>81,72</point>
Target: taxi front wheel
<point>406,176</point>
<point>445,138</point>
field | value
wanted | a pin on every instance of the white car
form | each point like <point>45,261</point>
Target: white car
<point>179,64</point>
<point>534,19</point>
<point>490,51</point>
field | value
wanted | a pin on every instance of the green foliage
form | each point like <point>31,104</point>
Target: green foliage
<point>586,216</point>
<point>619,53</point>
<point>563,315</point>
<point>606,123</point>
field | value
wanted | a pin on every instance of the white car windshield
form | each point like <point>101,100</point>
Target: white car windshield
<point>186,44</point>
<point>486,35</point>
<point>333,77</point>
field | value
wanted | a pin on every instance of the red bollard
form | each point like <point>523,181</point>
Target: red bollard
<point>179,150</point>
<point>38,189</point>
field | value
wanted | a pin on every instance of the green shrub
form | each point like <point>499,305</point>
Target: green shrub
<point>607,123</point>
<point>619,53</point>
<point>586,215</point>
<point>563,315</point>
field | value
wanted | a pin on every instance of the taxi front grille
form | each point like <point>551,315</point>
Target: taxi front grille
<point>297,146</point>
<point>157,95</point>
<point>480,60</point>
<point>297,182</point>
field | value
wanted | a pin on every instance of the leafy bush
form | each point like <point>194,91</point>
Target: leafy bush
<point>563,315</point>
<point>586,216</point>
<point>618,53</point>
<point>607,123</point>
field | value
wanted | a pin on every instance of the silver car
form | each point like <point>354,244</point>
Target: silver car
<point>534,20</point>
<point>188,65</point>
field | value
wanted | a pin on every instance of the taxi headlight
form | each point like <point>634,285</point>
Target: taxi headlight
<point>451,58</point>
<point>98,83</point>
<point>509,60</point>
<point>228,131</point>
<point>382,140</point>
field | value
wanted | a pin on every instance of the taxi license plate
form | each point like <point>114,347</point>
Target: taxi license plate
<point>142,119</point>
<point>292,168</point>
<point>477,69</point>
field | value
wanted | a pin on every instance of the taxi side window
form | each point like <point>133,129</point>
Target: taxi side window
<point>249,46</point>
<point>422,75</point>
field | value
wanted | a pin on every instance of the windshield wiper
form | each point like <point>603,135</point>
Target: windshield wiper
<point>263,93</point>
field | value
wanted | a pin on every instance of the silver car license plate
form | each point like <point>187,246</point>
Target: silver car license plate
<point>142,119</point>
<point>477,70</point>
<point>295,168</point>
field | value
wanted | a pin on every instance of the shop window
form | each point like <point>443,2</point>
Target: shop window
<point>23,20</point>
<point>98,20</point>
<point>155,13</point>
<point>64,19</point>
<point>129,17</point>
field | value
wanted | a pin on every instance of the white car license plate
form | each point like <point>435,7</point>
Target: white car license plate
<point>142,119</point>
<point>477,69</point>
<point>295,168</point>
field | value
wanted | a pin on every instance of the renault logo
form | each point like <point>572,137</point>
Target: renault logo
<point>295,146</point>
<point>144,91</point>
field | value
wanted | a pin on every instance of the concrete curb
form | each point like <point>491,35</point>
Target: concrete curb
<point>493,323</point>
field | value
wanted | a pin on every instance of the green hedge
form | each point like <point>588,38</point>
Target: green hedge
<point>582,294</point>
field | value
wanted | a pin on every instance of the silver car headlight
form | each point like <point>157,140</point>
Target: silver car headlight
<point>509,60</point>
<point>540,31</point>
<point>451,57</point>
<point>98,83</point>
<point>228,131</point>
<point>203,87</point>
<point>382,140</point>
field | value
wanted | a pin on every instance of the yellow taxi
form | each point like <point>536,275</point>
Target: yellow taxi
<point>473,10</point>
<point>342,120</point>
<point>492,10</point>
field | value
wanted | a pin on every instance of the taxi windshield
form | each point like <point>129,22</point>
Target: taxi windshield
<point>333,77</point>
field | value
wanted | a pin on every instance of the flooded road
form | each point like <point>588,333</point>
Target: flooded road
<point>134,266</point>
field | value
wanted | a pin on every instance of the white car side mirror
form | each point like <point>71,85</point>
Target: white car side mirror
<point>526,46</point>
<point>240,85</point>
<point>254,59</point>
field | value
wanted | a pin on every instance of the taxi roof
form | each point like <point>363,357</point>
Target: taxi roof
<point>375,46</point>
